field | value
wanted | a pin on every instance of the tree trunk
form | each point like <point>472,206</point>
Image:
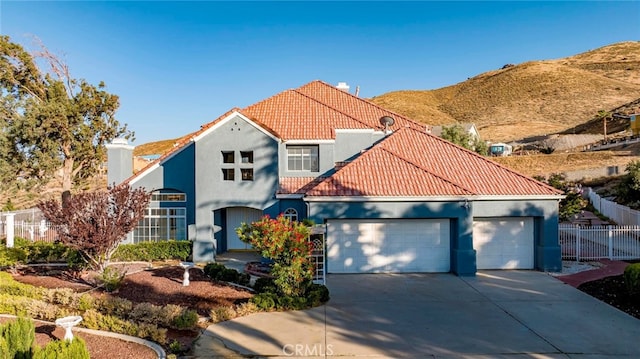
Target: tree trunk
<point>67,174</point>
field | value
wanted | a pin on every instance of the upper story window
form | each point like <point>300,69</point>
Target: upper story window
<point>302,158</point>
<point>228,174</point>
<point>168,197</point>
<point>247,174</point>
<point>228,157</point>
<point>246,156</point>
<point>291,214</point>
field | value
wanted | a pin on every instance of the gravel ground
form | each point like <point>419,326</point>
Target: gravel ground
<point>572,267</point>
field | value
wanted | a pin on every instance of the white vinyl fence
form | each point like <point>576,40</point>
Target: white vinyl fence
<point>618,213</point>
<point>28,224</point>
<point>42,231</point>
<point>596,242</point>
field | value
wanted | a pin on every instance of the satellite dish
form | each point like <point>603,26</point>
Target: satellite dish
<point>387,121</point>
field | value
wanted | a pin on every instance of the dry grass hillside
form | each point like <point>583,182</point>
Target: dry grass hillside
<point>153,148</point>
<point>533,98</point>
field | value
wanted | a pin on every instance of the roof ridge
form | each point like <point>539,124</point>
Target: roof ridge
<point>419,166</point>
<point>371,103</point>
<point>330,107</point>
<point>180,144</point>
<point>483,158</point>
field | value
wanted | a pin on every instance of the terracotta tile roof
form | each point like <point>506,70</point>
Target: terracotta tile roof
<point>356,107</point>
<point>297,185</point>
<point>311,112</point>
<point>414,163</point>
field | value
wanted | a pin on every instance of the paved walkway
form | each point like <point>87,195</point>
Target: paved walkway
<point>497,314</point>
<point>609,268</point>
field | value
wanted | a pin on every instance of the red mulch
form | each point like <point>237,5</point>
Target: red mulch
<point>99,347</point>
<point>158,286</point>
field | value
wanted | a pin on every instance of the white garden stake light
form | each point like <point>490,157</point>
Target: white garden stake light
<point>67,323</point>
<point>186,266</point>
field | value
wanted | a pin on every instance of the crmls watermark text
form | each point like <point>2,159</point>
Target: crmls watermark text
<point>302,350</point>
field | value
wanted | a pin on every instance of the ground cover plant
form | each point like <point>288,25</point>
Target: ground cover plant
<point>149,302</point>
<point>621,291</point>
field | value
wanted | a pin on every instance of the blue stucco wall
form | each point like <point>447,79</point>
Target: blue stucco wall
<point>463,257</point>
<point>461,222</point>
<point>548,254</point>
<point>214,193</point>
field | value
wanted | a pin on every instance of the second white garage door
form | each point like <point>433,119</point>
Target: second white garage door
<point>503,243</point>
<point>373,246</point>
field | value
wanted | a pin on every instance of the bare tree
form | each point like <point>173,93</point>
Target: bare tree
<point>95,223</point>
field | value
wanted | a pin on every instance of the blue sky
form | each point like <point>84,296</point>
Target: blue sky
<point>178,65</point>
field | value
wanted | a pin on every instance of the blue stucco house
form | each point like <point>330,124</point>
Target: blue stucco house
<point>388,195</point>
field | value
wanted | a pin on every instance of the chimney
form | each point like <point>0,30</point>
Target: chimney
<point>343,86</point>
<point>119,161</point>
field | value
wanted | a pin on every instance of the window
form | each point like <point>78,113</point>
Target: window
<point>246,156</point>
<point>302,158</point>
<point>168,197</point>
<point>228,174</point>
<point>291,214</point>
<point>163,223</point>
<point>228,157</point>
<point>247,174</point>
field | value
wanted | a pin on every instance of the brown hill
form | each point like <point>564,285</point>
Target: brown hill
<point>533,98</point>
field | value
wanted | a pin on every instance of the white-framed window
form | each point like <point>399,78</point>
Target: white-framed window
<point>291,214</point>
<point>163,223</point>
<point>302,158</point>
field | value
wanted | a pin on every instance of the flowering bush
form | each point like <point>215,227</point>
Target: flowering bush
<point>287,243</point>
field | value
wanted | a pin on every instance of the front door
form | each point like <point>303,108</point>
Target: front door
<point>235,217</point>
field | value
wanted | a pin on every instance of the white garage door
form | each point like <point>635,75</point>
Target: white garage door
<point>503,243</point>
<point>402,245</point>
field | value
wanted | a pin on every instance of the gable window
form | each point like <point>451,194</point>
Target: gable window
<point>302,158</point>
<point>291,214</point>
<point>228,157</point>
<point>246,156</point>
<point>228,174</point>
<point>247,174</point>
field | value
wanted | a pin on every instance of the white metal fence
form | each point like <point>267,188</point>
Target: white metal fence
<point>618,213</point>
<point>41,231</point>
<point>597,242</point>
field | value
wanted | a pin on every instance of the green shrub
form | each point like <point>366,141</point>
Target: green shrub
<point>94,320</point>
<point>187,319</point>
<point>76,349</point>
<point>246,309</point>
<point>148,312</point>
<point>265,301</point>
<point>221,314</point>
<point>175,347</point>
<point>20,336</point>
<point>109,305</point>
<point>4,349</point>
<point>85,302</point>
<point>12,256</point>
<point>228,275</point>
<point>632,278</point>
<point>265,285</point>
<point>10,286</point>
<point>111,278</point>
<point>317,294</point>
<point>213,269</point>
<point>244,279</point>
<point>154,251</point>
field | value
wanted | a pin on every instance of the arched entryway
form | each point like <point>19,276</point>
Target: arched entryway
<point>235,217</point>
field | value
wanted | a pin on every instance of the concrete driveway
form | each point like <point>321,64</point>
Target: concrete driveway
<point>497,314</point>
